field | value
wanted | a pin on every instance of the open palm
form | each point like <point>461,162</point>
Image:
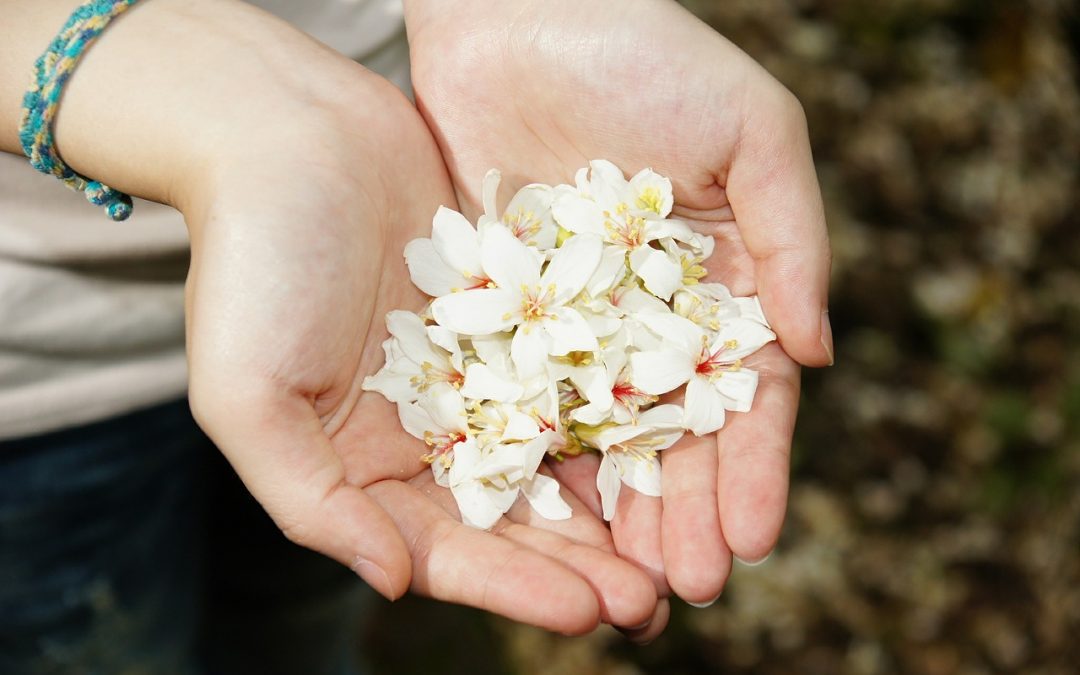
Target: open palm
<point>296,259</point>
<point>537,89</point>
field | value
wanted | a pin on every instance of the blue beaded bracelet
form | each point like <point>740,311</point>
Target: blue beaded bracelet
<point>51,72</point>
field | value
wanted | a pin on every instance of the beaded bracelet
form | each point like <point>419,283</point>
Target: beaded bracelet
<point>51,72</point>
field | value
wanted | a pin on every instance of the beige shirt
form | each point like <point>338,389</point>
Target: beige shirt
<point>91,311</point>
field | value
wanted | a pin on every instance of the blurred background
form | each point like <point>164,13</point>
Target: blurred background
<point>934,517</point>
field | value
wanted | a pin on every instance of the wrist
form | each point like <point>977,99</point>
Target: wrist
<point>172,90</point>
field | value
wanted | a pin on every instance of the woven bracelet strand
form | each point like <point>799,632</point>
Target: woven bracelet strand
<point>51,72</point>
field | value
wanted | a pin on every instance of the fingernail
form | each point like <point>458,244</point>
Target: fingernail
<point>374,575</point>
<point>755,563</point>
<point>703,605</point>
<point>826,335</point>
<point>642,626</point>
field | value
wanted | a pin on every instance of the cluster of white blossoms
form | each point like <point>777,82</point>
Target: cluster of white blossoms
<point>554,329</point>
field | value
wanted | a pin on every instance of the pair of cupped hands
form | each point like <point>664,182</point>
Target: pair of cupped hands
<point>297,256</point>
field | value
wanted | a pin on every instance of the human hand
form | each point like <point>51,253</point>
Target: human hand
<point>538,88</point>
<point>297,258</point>
<point>301,177</point>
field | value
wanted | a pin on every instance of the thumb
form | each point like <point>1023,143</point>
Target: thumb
<point>277,445</point>
<point>774,195</point>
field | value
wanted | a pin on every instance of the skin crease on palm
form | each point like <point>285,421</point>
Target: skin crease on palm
<point>553,84</point>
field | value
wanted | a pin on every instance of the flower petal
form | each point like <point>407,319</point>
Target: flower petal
<point>444,338</point>
<point>594,385</point>
<point>519,427</point>
<point>392,382</point>
<point>660,372</point>
<point>750,308</point>
<point>479,312</point>
<point>592,413</point>
<point>704,407</point>
<point>467,458</point>
<point>601,325</point>
<point>474,501</point>
<point>740,338</point>
<point>503,497</point>
<point>640,473</point>
<point>577,214</point>
<point>609,272</point>
<point>529,350</point>
<point>632,300</point>
<point>572,265</point>
<point>678,331</point>
<point>543,495</point>
<point>544,404</point>
<point>429,272</point>
<point>501,464</point>
<point>528,215</point>
<point>738,388</point>
<point>569,332</point>
<point>490,192</point>
<point>671,229</point>
<point>456,242</point>
<point>607,184</point>
<point>441,473</point>
<point>484,383</point>
<point>507,261</point>
<point>660,435</point>
<point>608,485</point>
<point>493,350</point>
<point>446,407</point>
<point>662,416</point>
<point>661,274</point>
<point>532,452</point>
<point>652,192</point>
<point>415,420</point>
<point>411,333</point>
<point>448,340</point>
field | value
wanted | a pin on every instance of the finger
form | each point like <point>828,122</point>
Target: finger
<point>278,448</point>
<point>774,194</point>
<point>456,563</point>
<point>755,450</point>
<point>582,543</point>
<point>635,530</point>
<point>696,557</point>
<point>578,475</point>
<point>625,594</point>
<point>656,625</point>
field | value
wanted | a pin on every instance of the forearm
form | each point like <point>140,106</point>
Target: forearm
<point>169,90</point>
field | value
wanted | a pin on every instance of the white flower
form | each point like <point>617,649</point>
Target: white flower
<point>450,260</point>
<point>607,388</point>
<point>438,419</point>
<point>707,305</point>
<point>535,303</point>
<point>493,423</point>
<point>480,501</point>
<point>417,357</point>
<point>711,368</point>
<point>555,326</point>
<point>628,215</point>
<point>486,484</point>
<point>630,453</point>
<point>528,215</point>
<point>498,380</point>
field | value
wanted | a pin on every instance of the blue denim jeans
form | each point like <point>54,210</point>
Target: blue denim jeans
<point>129,546</point>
